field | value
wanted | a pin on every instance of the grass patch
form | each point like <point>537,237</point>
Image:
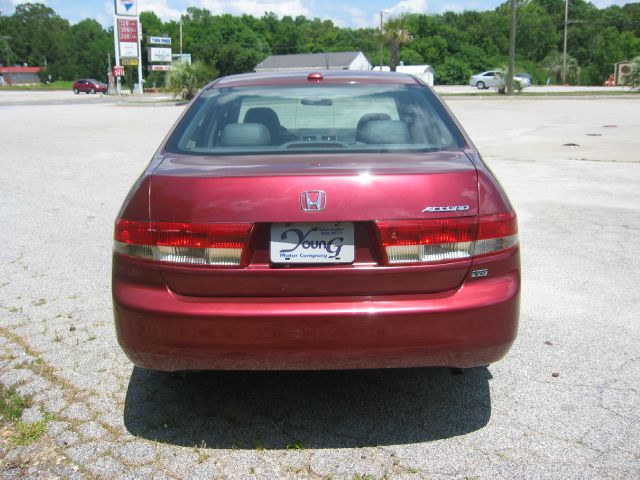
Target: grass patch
<point>58,85</point>
<point>11,405</point>
<point>608,93</point>
<point>27,433</point>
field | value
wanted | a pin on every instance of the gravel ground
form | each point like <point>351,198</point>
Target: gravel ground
<point>566,89</point>
<point>562,404</point>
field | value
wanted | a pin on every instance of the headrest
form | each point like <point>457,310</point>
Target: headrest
<point>245,135</point>
<point>366,118</point>
<point>262,115</point>
<point>384,132</point>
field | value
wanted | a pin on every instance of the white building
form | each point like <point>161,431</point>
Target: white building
<point>424,72</point>
<point>315,61</point>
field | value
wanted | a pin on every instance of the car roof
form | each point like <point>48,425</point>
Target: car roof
<point>301,77</point>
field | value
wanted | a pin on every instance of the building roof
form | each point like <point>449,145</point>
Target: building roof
<point>308,60</point>
<point>411,69</point>
<point>290,77</point>
<point>20,69</point>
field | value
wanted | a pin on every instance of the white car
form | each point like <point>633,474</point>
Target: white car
<point>486,79</point>
<point>493,78</point>
<point>523,78</point>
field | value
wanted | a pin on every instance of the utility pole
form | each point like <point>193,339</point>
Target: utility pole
<point>382,12</point>
<point>512,48</point>
<point>180,40</point>
<point>564,51</point>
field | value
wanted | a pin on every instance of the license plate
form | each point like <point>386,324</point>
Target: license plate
<point>312,242</point>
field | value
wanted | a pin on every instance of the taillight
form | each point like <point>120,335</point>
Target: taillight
<point>221,244</point>
<point>496,232</point>
<point>432,240</point>
<point>446,239</point>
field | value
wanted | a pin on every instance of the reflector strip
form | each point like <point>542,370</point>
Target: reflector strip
<point>428,253</point>
<point>222,244</point>
<point>492,245</point>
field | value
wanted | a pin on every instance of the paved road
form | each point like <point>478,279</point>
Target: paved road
<point>572,170</point>
<point>67,97</point>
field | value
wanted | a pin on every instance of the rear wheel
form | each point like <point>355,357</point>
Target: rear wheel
<point>480,85</point>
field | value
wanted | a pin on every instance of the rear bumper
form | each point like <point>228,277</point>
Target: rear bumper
<point>471,326</point>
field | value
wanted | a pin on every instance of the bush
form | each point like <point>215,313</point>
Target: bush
<point>501,87</point>
<point>453,72</point>
<point>633,79</point>
<point>186,79</point>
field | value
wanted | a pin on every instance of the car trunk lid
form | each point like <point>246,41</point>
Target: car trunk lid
<point>359,189</point>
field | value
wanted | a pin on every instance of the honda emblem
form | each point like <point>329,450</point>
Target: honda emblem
<point>313,200</point>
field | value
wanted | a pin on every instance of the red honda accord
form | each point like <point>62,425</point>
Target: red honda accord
<point>316,221</point>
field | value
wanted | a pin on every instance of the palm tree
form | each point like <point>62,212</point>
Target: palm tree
<point>553,65</point>
<point>186,79</point>
<point>397,35</point>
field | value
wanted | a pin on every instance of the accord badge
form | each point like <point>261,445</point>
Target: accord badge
<point>448,208</point>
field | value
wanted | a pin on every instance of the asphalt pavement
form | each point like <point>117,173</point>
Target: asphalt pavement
<point>562,404</point>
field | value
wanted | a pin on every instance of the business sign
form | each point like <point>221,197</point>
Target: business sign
<point>127,7</point>
<point>127,30</point>
<point>128,50</point>
<point>159,40</point>
<point>159,54</point>
<point>159,68</point>
<point>128,37</point>
<point>118,71</point>
<point>184,58</point>
<point>129,62</point>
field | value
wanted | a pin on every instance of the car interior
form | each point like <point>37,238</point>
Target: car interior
<point>314,122</point>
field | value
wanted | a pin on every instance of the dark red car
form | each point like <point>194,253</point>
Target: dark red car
<point>316,221</point>
<point>89,85</point>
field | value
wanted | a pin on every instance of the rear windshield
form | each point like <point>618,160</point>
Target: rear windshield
<point>315,118</point>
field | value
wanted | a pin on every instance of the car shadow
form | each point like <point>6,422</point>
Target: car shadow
<point>333,409</point>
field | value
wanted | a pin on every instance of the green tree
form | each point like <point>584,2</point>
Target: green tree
<point>455,44</point>
<point>453,72</point>
<point>38,36</point>
<point>553,65</point>
<point>633,79</point>
<point>536,34</point>
<point>408,56</point>
<point>91,44</point>
<point>606,52</point>
<point>186,79</point>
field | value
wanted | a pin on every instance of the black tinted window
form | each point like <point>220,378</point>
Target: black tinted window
<point>327,118</point>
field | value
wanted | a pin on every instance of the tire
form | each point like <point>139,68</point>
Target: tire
<point>92,91</point>
<point>76,91</point>
<point>480,86</point>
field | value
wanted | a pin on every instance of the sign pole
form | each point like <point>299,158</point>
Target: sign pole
<point>140,80</point>
<point>116,49</point>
